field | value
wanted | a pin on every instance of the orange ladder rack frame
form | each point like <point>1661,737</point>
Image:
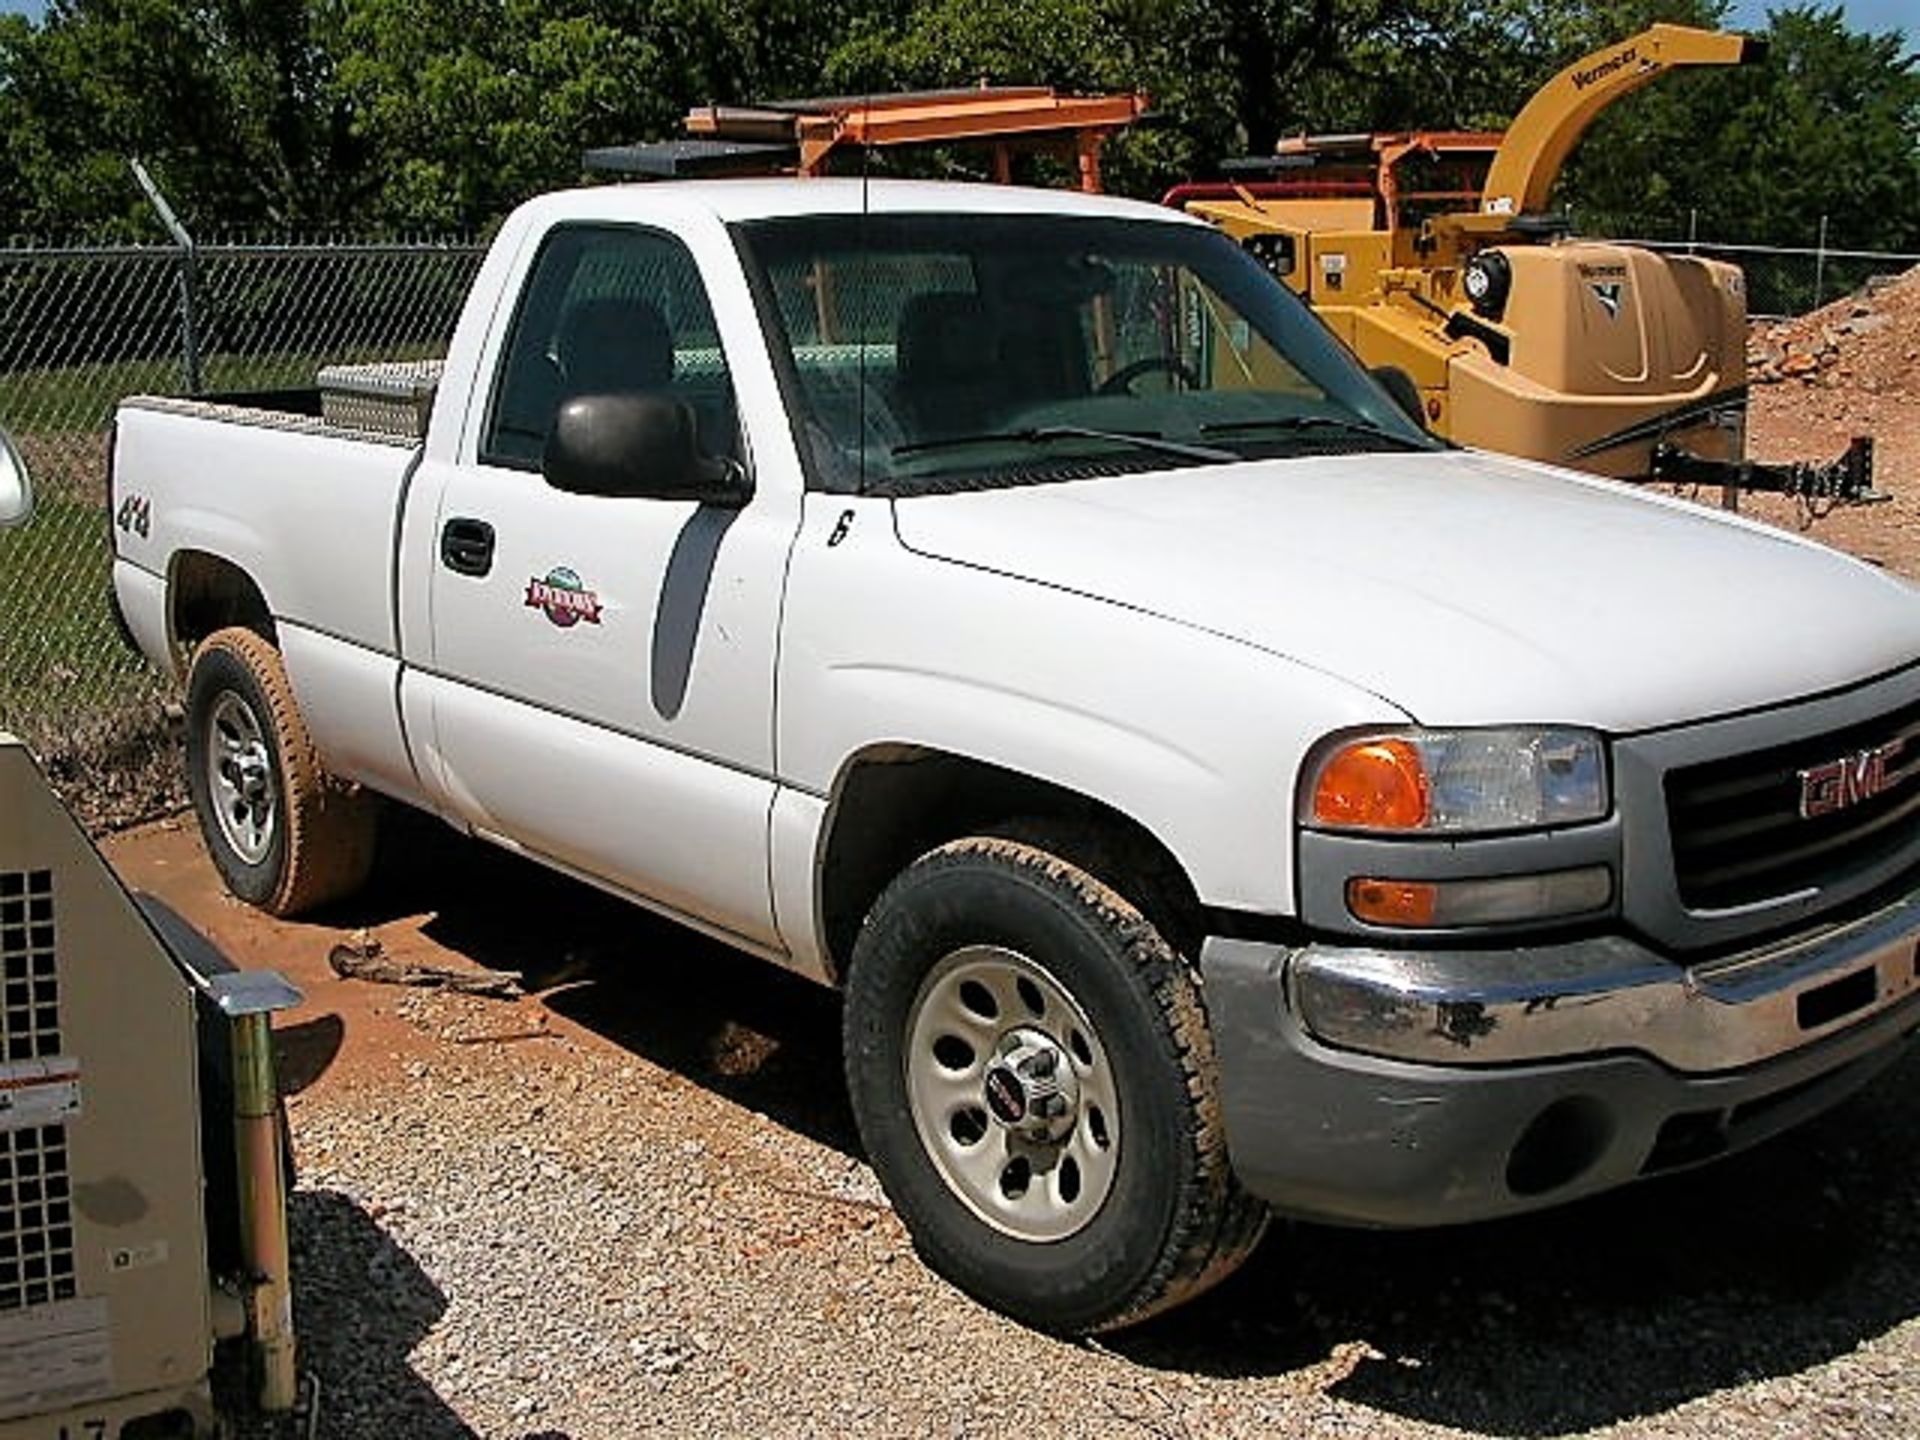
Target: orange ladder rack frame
<point>1003,115</point>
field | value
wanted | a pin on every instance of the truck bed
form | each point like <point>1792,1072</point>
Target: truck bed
<point>387,400</point>
<point>320,503</point>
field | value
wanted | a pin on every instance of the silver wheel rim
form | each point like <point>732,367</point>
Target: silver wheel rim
<point>1012,1094</point>
<point>240,778</point>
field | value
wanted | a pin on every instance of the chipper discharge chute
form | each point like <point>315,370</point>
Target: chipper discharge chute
<point>1434,252</point>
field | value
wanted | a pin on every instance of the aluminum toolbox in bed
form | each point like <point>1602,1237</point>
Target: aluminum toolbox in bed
<point>390,398</point>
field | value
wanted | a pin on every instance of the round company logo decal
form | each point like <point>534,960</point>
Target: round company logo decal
<point>564,597</point>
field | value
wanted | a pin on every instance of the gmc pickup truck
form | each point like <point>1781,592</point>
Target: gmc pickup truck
<point>1212,795</point>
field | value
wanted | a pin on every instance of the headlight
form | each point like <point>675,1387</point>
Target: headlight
<point>1461,782</point>
<point>1487,279</point>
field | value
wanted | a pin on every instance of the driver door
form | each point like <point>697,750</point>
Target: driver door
<point>603,667</point>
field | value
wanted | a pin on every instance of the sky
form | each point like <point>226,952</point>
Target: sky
<point>1861,14</point>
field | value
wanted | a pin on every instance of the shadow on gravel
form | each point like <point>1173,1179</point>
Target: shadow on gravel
<point>360,1304</point>
<point>735,1025</point>
<point>303,1051</point>
<point>1626,1305</point>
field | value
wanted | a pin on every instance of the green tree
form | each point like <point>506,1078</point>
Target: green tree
<point>443,113</point>
<point>15,34</point>
<point>228,101</point>
<point>471,105</point>
<point>1828,125</point>
<point>474,105</point>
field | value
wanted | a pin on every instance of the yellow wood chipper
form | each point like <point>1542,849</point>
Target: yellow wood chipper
<point>1434,252</point>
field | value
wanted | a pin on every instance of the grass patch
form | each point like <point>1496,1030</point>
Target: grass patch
<point>79,397</point>
<point>62,662</point>
<point>65,400</point>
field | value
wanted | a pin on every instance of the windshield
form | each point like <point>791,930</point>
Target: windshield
<point>929,352</point>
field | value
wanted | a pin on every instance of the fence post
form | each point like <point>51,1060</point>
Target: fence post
<point>1693,229</point>
<point>1820,268</point>
<point>189,278</point>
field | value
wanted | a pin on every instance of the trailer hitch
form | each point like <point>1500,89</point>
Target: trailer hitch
<point>1847,480</point>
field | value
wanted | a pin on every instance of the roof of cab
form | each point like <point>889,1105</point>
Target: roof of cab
<point>761,199</point>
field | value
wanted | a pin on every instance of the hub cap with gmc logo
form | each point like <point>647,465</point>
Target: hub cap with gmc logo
<point>1012,1094</point>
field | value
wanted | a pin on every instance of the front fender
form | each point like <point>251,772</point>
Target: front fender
<point>1196,737</point>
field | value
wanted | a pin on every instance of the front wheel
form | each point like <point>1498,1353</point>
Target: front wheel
<point>283,833</point>
<point>1033,1078</point>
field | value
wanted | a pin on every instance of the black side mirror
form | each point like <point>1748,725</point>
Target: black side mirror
<point>1399,384</point>
<point>638,446</point>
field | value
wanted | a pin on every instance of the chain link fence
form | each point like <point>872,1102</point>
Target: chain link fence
<point>1784,280</point>
<point>80,328</point>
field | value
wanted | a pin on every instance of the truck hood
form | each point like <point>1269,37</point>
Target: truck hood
<point>1463,588</point>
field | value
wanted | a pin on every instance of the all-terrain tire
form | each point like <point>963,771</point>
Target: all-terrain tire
<point>284,834</point>
<point>1172,1219</point>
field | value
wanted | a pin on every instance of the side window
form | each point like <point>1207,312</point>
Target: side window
<point>608,309</point>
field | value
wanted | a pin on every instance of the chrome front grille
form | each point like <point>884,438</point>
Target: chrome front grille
<point>1739,833</point>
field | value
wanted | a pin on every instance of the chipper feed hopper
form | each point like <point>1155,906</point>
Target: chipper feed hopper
<point>1435,252</point>
<point>142,1189</point>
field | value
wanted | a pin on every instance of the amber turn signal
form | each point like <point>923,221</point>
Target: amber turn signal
<point>1373,785</point>
<point>1405,903</point>
<point>1487,900</point>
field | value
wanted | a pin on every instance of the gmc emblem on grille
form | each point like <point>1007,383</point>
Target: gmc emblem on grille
<point>1846,781</point>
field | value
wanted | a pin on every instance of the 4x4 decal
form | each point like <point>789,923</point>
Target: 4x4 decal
<point>136,515</point>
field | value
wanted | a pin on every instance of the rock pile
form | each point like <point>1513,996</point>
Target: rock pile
<point>1869,341</point>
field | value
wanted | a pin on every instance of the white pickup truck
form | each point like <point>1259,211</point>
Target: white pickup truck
<point>1212,795</point>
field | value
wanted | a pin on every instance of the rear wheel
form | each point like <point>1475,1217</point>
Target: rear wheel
<point>283,833</point>
<point>1033,1078</point>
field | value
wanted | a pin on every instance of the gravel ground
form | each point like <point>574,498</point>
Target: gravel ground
<point>551,1237</point>
<point>633,1204</point>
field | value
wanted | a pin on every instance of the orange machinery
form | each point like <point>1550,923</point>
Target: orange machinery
<point>804,137</point>
<point>1434,252</point>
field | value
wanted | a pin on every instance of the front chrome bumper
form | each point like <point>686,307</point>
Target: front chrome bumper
<point>1608,995</point>
<point>1430,1087</point>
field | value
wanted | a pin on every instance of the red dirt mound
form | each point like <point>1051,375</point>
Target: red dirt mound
<point>1852,368</point>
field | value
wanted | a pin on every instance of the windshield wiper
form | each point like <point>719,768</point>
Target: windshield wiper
<point>1045,434</point>
<point>1308,422</point>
